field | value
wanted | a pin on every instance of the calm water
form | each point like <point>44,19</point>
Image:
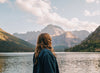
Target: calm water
<point>68,62</point>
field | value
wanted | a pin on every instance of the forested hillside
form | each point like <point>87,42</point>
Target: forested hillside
<point>10,43</point>
<point>90,44</point>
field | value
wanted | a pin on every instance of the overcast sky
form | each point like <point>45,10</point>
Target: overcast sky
<point>33,15</point>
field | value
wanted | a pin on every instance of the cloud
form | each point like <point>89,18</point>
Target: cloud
<point>94,13</point>
<point>55,8</point>
<point>36,7</point>
<point>3,1</point>
<point>43,10</point>
<point>8,2</point>
<point>93,1</point>
<point>87,13</point>
<point>84,25</point>
<point>76,24</point>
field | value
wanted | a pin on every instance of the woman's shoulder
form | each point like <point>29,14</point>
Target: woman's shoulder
<point>45,52</point>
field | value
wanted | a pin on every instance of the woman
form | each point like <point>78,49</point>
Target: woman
<point>44,59</point>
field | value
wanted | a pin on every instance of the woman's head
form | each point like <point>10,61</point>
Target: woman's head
<point>44,41</point>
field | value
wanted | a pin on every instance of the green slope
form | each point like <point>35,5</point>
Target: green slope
<point>10,43</point>
<point>90,44</point>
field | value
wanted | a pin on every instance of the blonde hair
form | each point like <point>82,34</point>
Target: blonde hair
<point>44,41</point>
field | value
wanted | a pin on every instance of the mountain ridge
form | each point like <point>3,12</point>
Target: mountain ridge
<point>10,43</point>
<point>56,32</point>
<point>66,39</point>
<point>90,44</point>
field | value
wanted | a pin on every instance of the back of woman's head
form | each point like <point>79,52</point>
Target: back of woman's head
<point>44,41</point>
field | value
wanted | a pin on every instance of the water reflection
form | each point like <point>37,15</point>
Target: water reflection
<point>68,63</point>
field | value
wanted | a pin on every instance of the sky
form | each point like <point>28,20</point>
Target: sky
<point>20,16</point>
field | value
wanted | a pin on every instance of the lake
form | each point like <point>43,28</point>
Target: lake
<point>69,62</point>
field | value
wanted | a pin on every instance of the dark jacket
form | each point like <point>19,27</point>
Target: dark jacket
<point>47,63</point>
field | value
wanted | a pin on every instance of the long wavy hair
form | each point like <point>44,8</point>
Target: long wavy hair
<point>44,41</point>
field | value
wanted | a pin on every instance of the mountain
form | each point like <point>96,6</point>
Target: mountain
<point>61,39</point>
<point>66,39</point>
<point>10,43</point>
<point>82,34</point>
<point>31,37</point>
<point>53,30</point>
<point>90,44</point>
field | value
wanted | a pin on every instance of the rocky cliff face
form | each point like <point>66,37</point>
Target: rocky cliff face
<point>67,39</point>
<point>53,30</point>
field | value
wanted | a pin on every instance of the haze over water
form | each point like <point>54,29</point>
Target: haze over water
<point>68,62</point>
